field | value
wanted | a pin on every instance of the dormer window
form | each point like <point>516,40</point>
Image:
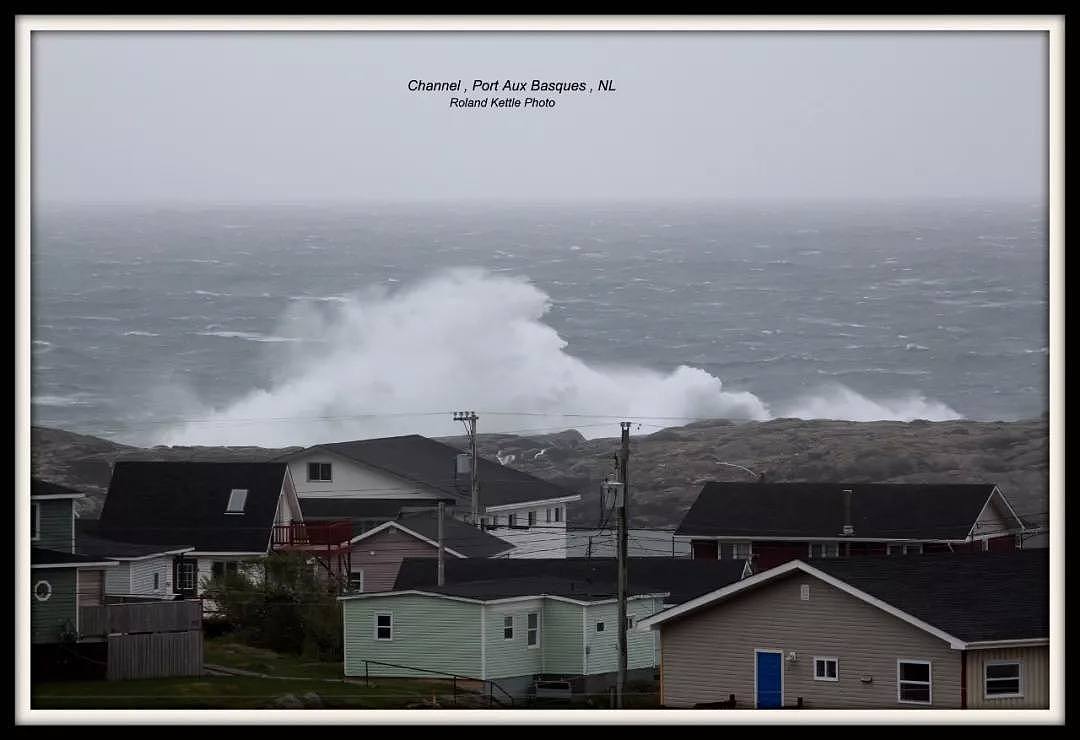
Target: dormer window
<point>319,471</point>
<point>237,499</point>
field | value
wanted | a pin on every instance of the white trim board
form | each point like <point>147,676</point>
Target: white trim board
<point>769,575</point>
<point>107,564</point>
<point>506,600</point>
<point>396,525</point>
<point>533,504</point>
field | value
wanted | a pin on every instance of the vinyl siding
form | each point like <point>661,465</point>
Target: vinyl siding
<point>429,633</point>
<point>142,576</point>
<point>603,647</point>
<point>380,556</point>
<point>562,637</point>
<point>353,480</point>
<point>91,588</point>
<point>56,525</point>
<point>118,579</point>
<point>709,654</point>
<point>507,658</point>
<point>1034,673</point>
<point>47,618</point>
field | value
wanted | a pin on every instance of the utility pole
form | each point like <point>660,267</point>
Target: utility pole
<point>624,581</point>
<point>442,547</point>
<point>470,418</point>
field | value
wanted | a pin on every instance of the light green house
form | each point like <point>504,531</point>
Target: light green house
<point>512,631</point>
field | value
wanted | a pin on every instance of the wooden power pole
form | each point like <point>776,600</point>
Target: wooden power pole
<point>624,581</point>
<point>442,547</point>
<point>470,418</point>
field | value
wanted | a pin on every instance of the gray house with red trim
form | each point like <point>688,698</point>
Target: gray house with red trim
<point>773,523</point>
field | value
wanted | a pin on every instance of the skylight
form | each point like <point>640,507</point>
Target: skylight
<point>237,499</point>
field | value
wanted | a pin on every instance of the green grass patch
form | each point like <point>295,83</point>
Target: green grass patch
<point>228,692</point>
<point>225,651</point>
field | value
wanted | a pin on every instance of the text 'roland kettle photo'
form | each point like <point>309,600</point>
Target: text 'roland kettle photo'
<point>508,93</point>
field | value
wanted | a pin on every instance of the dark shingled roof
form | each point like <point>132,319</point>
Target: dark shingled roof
<point>972,596</point>
<point>42,556</point>
<point>683,579</point>
<point>39,487</point>
<point>87,542</point>
<point>433,464</point>
<point>162,503</point>
<point>472,542</point>
<point>506,588</point>
<point>795,510</point>
<point>360,509</point>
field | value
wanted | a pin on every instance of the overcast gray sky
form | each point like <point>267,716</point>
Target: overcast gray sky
<point>328,116</point>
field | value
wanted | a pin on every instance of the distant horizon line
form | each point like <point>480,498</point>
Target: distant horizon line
<point>1033,201</point>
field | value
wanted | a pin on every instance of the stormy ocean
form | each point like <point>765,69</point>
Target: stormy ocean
<point>288,324</point>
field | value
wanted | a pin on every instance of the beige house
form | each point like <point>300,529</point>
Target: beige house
<point>940,631</point>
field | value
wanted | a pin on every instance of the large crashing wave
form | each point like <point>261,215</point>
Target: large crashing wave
<point>395,363</point>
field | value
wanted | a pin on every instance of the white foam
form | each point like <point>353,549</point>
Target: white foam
<point>138,333</point>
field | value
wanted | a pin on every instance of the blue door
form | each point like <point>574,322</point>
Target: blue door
<point>768,688</point>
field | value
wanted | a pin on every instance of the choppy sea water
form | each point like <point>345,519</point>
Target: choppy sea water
<point>295,324</point>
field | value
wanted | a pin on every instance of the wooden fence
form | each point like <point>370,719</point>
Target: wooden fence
<point>147,640</point>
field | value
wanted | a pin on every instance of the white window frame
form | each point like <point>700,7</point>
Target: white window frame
<point>530,519</point>
<point>35,522</point>
<point>558,514</point>
<point>47,585</point>
<point>243,494</point>
<point>508,618</point>
<point>915,548</point>
<point>532,633</point>
<point>353,574</point>
<point>929,684</point>
<point>825,546</point>
<point>157,581</point>
<point>320,479</point>
<point>1019,680</point>
<point>390,616</point>
<point>735,550</point>
<point>824,659</point>
<point>548,515</point>
<point>194,571</point>
<point>600,626</point>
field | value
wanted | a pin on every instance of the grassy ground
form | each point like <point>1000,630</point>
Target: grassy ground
<point>226,652</point>
<point>228,692</point>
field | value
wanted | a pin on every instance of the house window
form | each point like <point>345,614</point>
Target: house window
<point>548,513</point>
<point>599,626</point>
<point>532,518</point>
<point>511,520</point>
<point>188,569</point>
<point>237,499</point>
<point>532,632</point>
<point>825,669</point>
<point>821,550</point>
<point>898,548</point>
<point>558,513</point>
<point>157,581</point>
<point>913,682</point>
<point>629,622</point>
<point>317,471</point>
<point>35,523</point>
<point>913,549</point>
<point>508,628</point>
<point>42,590</point>
<point>384,626</point>
<point>1002,680</point>
<point>356,581</point>
<point>740,551</point>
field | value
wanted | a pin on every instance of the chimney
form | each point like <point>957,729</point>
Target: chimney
<point>849,529</point>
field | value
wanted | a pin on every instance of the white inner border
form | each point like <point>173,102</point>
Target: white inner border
<point>1054,25</point>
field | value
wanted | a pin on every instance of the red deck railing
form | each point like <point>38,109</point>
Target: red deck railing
<point>322,534</point>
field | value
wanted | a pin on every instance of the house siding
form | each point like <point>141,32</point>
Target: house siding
<point>56,525</point>
<point>118,579</point>
<point>353,480</point>
<point>429,634</point>
<point>561,637</point>
<point>543,540</point>
<point>142,576</point>
<point>506,658</point>
<point>380,556</point>
<point>91,588</point>
<point>48,618</point>
<point>709,654</point>
<point>1034,672</point>
<point>603,647</point>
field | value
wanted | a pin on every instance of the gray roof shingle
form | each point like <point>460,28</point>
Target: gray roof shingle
<point>163,503</point>
<point>796,510</point>
<point>433,464</point>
